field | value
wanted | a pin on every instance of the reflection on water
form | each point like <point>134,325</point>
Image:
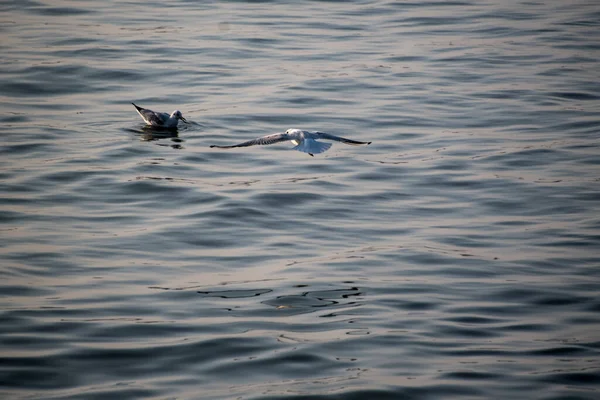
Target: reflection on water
<point>455,257</point>
<point>150,134</point>
<point>234,294</point>
<point>161,136</point>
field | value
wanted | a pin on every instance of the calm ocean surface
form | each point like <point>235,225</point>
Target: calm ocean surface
<point>456,257</point>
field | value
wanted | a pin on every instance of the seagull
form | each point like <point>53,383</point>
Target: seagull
<point>159,119</point>
<point>304,141</point>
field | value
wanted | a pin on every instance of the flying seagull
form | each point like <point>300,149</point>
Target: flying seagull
<point>304,141</point>
<point>159,119</point>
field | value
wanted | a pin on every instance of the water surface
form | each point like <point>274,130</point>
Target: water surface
<point>455,257</point>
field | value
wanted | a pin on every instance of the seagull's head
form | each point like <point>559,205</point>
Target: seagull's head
<point>177,114</point>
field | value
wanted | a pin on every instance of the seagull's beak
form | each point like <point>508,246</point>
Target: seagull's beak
<point>183,119</point>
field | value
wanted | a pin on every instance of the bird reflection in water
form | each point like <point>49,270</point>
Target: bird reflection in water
<point>154,134</point>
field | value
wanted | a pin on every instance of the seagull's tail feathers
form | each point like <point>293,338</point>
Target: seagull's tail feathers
<point>312,146</point>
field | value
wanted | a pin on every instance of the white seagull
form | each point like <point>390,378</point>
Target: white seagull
<point>304,141</point>
<point>159,119</point>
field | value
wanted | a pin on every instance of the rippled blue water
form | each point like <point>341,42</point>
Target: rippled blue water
<point>455,257</point>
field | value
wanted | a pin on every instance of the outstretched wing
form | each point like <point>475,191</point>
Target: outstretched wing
<point>269,139</point>
<point>151,117</point>
<point>323,135</point>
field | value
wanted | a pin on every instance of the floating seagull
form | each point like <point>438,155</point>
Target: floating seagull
<point>162,120</point>
<point>305,141</point>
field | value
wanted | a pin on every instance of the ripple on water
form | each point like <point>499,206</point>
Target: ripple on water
<point>454,257</point>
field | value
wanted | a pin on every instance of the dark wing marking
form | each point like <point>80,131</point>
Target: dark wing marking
<point>269,139</point>
<point>151,117</point>
<point>323,135</point>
